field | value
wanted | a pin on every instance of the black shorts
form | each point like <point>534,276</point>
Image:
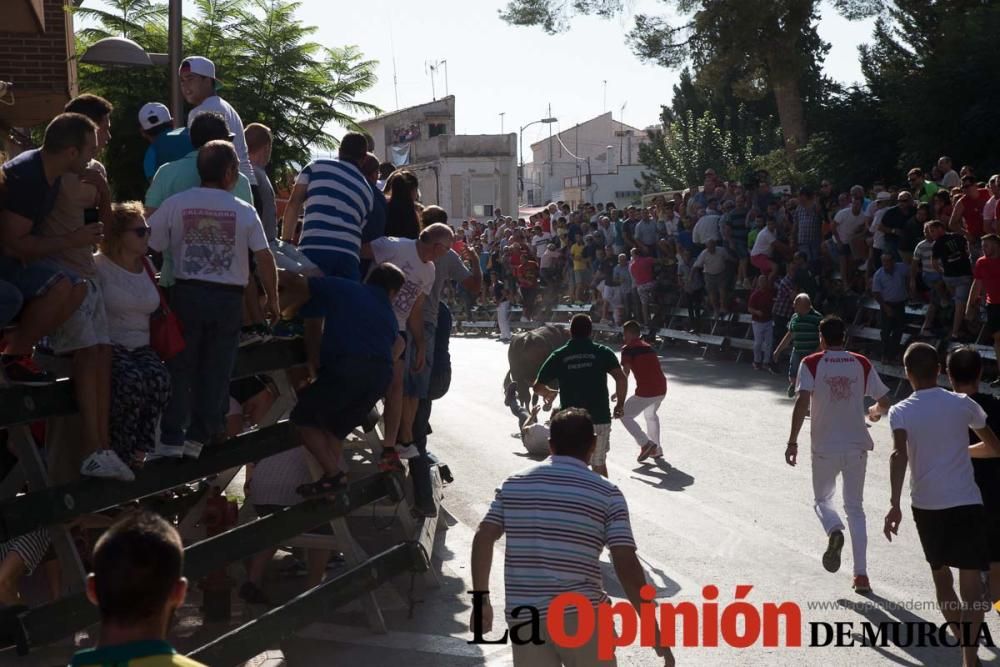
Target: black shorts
<point>987,473</point>
<point>953,537</point>
<point>993,317</point>
<point>340,402</point>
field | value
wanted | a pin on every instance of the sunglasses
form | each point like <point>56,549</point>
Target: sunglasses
<point>141,232</point>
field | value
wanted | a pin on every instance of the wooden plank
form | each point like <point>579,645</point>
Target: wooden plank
<point>58,504</point>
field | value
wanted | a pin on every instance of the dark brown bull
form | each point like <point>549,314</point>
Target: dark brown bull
<point>527,352</point>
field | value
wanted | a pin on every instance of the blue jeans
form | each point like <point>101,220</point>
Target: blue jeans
<point>200,374</point>
<point>420,467</point>
<point>793,364</point>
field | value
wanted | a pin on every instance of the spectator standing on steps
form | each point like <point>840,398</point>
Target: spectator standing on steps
<point>199,86</point>
<point>889,287</point>
<point>210,234</point>
<point>581,366</point>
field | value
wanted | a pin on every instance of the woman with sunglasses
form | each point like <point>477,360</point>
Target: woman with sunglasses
<point>140,383</point>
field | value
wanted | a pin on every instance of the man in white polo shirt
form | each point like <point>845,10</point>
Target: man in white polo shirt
<point>198,86</point>
<point>832,385</point>
<point>930,435</point>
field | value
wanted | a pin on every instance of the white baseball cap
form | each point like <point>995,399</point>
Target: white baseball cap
<point>198,65</point>
<point>153,114</point>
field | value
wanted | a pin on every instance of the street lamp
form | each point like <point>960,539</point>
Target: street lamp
<point>121,52</point>
<point>520,150</point>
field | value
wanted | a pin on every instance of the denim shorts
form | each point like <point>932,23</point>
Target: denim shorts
<point>34,279</point>
<point>337,264</point>
<point>86,327</point>
<point>959,287</point>
<point>417,385</point>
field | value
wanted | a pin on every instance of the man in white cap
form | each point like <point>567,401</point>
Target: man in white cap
<point>198,85</point>
<point>165,143</point>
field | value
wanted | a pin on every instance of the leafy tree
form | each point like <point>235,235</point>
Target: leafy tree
<point>930,68</point>
<point>755,47</point>
<point>678,155</point>
<point>122,18</point>
<point>272,73</point>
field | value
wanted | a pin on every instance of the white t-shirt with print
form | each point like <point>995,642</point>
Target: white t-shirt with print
<point>209,233</point>
<point>419,274</point>
<point>937,424</point>
<point>839,381</point>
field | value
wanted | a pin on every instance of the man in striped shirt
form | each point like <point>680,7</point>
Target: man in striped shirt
<point>803,334</point>
<point>338,200</point>
<point>558,517</point>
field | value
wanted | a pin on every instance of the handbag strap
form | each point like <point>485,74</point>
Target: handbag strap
<point>152,276</point>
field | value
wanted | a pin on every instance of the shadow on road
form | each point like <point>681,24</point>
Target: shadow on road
<point>662,475</point>
<point>664,585</point>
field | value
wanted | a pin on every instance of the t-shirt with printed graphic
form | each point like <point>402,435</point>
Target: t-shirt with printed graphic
<point>419,274</point>
<point>209,233</point>
<point>839,381</point>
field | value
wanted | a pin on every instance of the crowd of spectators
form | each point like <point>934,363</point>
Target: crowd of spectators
<point>149,302</point>
<point>725,248</point>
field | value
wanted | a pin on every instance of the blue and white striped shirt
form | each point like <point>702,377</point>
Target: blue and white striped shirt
<point>558,517</point>
<point>338,203</point>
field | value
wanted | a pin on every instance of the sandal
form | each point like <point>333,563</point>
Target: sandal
<point>389,461</point>
<point>324,486</point>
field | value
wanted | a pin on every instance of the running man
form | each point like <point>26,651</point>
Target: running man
<point>965,370</point>
<point>581,366</point>
<point>930,436</point>
<point>832,385</point>
<point>641,360</point>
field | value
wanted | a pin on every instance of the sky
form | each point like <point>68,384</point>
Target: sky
<point>495,68</point>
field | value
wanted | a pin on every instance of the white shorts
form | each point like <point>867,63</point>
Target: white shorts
<point>600,456</point>
<point>86,327</point>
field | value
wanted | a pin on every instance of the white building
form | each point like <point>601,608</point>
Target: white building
<point>470,176</point>
<point>597,160</point>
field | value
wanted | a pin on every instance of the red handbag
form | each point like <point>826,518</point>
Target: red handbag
<point>166,335</point>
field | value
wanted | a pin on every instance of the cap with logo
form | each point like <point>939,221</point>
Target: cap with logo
<point>153,114</point>
<point>198,65</point>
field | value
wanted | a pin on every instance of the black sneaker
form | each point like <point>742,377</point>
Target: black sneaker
<point>831,557</point>
<point>23,370</point>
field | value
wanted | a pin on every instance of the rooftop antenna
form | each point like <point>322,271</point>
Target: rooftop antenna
<point>395,80</point>
<point>431,67</point>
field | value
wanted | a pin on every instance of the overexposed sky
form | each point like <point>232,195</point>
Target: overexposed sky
<point>493,67</point>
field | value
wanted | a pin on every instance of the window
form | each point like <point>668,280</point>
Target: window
<point>482,210</point>
<point>482,196</point>
<point>436,129</point>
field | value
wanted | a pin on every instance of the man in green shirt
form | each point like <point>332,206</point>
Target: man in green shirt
<point>803,334</point>
<point>581,367</point>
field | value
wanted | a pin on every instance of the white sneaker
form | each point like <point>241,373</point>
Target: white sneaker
<point>658,454</point>
<point>192,449</point>
<point>163,451</point>
<point>408,451</point>
<point>100,465</point>
<point>127,475</point>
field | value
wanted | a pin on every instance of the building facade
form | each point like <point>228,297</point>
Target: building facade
<point>37,61</point>
<point>577,157</point>
<point>470,176</point>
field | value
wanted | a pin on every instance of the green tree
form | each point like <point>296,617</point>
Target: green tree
<point>757,47</point>
<point>123,18</point>
<point>930,69</point>
<point>677,156</point>
<point>272,72</point>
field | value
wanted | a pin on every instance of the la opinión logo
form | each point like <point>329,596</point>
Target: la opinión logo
<point>738,624</point>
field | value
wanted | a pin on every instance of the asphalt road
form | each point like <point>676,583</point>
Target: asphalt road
<point>723,509</point>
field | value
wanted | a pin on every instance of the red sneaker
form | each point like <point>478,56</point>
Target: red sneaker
<point>861,584</point>
<point>389,461</point>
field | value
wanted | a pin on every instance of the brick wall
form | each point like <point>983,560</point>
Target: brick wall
<point>39,66</point>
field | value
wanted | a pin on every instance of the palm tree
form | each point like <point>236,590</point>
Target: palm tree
<point>132,19</point>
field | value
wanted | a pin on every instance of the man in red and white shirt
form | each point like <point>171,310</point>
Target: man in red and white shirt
<point>641,360</point>
<point>832,385</point>
<point>986,281</point>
